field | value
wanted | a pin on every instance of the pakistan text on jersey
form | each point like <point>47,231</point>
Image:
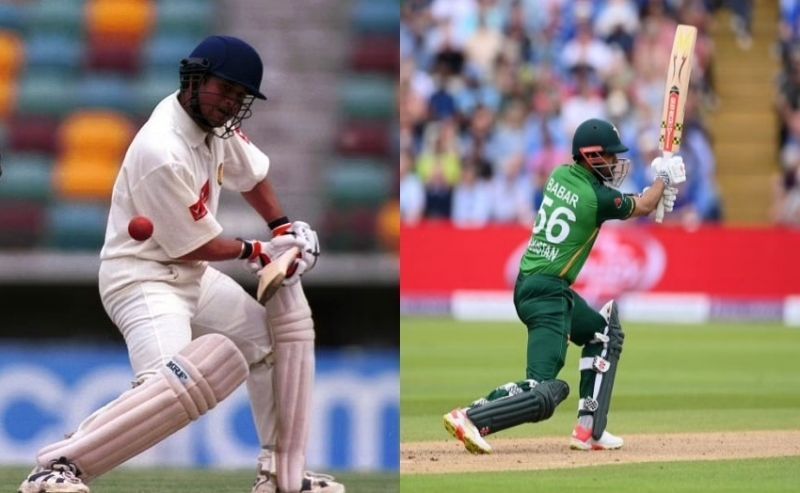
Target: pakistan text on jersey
<point>543,249</point>
<point>562,192</point>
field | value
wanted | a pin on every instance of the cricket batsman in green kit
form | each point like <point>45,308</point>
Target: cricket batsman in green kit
<point>578,199</point>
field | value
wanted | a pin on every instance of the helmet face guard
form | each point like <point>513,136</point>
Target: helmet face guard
<point>193,73</point>
<point>610,173</point>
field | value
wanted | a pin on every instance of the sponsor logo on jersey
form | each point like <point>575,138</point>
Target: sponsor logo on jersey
<point>199,209</point>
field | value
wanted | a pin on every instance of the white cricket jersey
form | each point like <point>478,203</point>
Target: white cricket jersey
<point>173,174</point>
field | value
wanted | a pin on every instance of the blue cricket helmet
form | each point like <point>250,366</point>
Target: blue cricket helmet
<point>231,59</point>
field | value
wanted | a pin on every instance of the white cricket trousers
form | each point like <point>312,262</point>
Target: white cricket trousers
<point>159,318</point>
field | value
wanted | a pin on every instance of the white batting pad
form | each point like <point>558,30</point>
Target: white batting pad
<point>186,387</point>
<point>293,345</point>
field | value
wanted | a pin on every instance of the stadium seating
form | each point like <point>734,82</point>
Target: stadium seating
<point>45,94</point>
<point>12,54</point>
<point>105,92</point>
<point>189,18</point>
<point>77,77</point>
<point>96,134</point>
<point>54,53</point>
<point>75,225</point>
<point>368,97</point>
<point>22,223</point>
<point>103,56</point>
<point>12,17</point>
<point>26,177</point>
<point>80,178</point>
<point>64,17</point>
<point>33,134</point>
<point>127,21</point>
<point>8,97</point>
<point>360,181</point>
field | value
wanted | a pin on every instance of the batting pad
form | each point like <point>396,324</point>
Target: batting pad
<point>186,387</point>
<point>293,346</point>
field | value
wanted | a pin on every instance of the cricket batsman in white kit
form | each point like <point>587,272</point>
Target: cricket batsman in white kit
<point>193,334</point>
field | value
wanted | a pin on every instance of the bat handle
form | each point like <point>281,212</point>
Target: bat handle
<point>660,211</point>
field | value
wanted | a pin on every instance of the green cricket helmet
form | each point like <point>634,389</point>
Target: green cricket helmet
<point>594,138</point>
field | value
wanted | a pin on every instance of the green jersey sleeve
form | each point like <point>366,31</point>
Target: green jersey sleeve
<point>613,204</point>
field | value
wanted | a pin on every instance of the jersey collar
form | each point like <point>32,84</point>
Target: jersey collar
<point>577,168</point>
<point>185,125</point>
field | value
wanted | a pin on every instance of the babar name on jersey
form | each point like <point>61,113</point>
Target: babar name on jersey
<point>562,192</point>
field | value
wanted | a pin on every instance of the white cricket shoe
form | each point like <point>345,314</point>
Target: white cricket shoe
<point>59,477</point>
<point>265,481</point>
<point>458,424</point>
<point>312,482</point>
<point>582,440</point>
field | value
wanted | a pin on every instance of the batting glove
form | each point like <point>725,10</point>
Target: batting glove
<point>671,171</point>
<point>260,253</point>
<point>669,197</point>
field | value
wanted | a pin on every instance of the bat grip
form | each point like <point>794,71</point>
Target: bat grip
<point>660,211</point>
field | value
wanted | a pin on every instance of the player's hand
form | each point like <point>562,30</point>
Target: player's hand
<point>671,171</point>
<point>669,197</point>
<point>263,252</point>
<point>310,253</point>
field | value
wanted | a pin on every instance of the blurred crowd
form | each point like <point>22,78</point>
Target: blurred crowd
<point>787,205</point>
<point>491,92</point>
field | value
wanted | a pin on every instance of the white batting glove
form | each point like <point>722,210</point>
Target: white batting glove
<point>311,250</point>
<point>260,253</point>
<point>669,197</point>
<point>671,171</point>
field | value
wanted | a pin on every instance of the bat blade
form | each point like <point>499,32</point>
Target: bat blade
<point>272,275</point>
<point>676,90</point>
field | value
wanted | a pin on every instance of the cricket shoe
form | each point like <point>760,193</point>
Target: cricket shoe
<point>458,424</point>
<point>312,483</point>
<point>582,440</point>
<point>60,476</point>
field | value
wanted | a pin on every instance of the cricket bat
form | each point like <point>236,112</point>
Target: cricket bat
<point>677,88</point>
<point>273,274</point>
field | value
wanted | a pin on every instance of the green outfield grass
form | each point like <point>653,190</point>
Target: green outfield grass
<point>200,481</point>
<point>672,378</point>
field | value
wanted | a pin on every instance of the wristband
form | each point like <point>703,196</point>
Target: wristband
<point>247,249</point>
<point>276,223</point>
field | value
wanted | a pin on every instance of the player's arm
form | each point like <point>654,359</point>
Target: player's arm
<point>647,202</point>
<point>263,199</point>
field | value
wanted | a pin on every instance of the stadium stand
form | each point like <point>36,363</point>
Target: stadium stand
<point>77,78</point>
<point>359,182</point>
<point>515,78</point>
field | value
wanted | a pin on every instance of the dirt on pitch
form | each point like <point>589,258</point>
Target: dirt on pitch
<point>522,454</point>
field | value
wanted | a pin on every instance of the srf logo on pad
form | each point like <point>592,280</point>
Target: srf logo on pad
<point>178,371</point>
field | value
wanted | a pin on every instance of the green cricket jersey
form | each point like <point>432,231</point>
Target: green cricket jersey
<point>574,205</point>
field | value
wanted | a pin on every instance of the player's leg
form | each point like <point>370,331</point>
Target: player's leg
<point>293,336</point>
<point>153,317</point>
<point>225,307</point>
<point>601,338</point>
<point>192,382</point>
<point>544,305</point>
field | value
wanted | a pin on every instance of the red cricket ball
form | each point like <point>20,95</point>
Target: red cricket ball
<point>140,228</point>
